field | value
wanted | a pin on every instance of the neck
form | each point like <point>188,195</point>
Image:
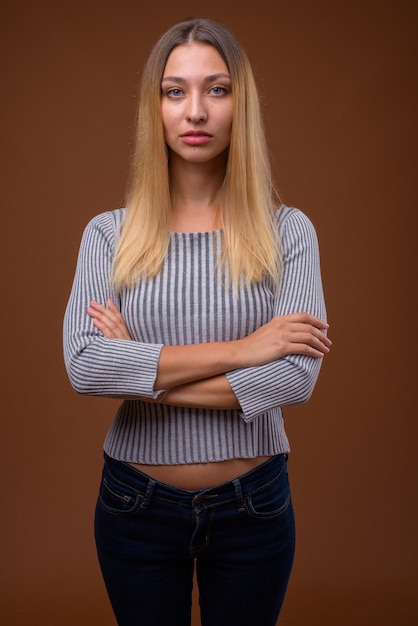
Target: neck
<point>195,191</point>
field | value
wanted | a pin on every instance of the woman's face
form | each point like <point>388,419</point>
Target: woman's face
<point>196,103</point>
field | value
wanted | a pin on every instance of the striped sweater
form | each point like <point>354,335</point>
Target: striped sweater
<point>190,302</point>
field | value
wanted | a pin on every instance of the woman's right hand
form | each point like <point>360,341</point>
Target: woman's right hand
<point>108,320</point>
<point>297,333</point>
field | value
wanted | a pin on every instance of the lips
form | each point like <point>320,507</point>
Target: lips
<point>195,137</point>
<point>196,133</point>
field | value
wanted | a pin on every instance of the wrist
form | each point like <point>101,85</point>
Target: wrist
<point>237,351</point>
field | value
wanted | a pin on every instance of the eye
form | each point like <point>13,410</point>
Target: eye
<point>174,92</point>
<point>218,90</point>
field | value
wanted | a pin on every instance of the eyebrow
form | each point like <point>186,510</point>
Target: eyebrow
<point>208,79</point>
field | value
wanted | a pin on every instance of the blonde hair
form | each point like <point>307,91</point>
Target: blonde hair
<point>250,245</point>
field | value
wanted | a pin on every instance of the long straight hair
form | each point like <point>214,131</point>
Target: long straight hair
<point>251,249</point>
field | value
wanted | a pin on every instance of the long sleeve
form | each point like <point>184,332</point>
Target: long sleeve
<point>96,365</point>
<point>188,302</point>
<point>289,380</point>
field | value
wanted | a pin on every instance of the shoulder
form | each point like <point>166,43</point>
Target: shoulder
<point>105,224</point>
<point>107,220</point>
<point>293,223</point>
<point>295,229</point>
<point>292,218</point>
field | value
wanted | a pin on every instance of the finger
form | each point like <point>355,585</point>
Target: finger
<point>94,313</point>
<point>309,350</point>
<point>116,321</point>
<point>97,306</point>
<point>104,320</point>
<point>306,318</point>
<point>108,320</point>
<point>112,306</point>
<point>308,329</point>
<point>98,310</point>
<point>320,336</point>
<point>110,328</point>
<point>98,313</point>
<point>320,343</point>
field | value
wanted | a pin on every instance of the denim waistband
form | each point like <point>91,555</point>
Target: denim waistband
<point>244,483</point>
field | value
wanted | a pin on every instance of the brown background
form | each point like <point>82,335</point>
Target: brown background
<point>338,85</point>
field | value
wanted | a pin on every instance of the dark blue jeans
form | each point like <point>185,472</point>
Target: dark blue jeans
<point>241,535</point>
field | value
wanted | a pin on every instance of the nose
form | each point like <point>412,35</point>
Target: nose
<point>196,110</point>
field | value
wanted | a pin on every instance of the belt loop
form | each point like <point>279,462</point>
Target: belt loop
<point>238,494</point>
<point>148,493</point>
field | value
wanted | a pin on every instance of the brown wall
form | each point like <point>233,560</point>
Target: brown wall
<point>338,85</point>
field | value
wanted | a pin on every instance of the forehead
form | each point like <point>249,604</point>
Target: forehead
<point>194,59</point>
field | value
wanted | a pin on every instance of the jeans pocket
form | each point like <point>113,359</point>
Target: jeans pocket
<point>117,497</point>
<point>269,500</point>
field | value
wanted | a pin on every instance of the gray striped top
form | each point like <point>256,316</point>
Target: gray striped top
<point>190,302</point>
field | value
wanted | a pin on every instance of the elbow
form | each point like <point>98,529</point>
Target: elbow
<point>81,380</point>
<point>80,385</point>
<point>302,394</point>
<point>81,388</point>
<point>303,385</point>
<point>84,369</point>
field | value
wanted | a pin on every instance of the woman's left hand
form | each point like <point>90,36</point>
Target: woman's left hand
<point>108,320</point>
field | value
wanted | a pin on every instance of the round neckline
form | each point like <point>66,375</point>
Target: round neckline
<point>196,232</point>
<point>211,232</point>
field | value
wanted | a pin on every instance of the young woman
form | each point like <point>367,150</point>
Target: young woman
<point>201,307</point>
